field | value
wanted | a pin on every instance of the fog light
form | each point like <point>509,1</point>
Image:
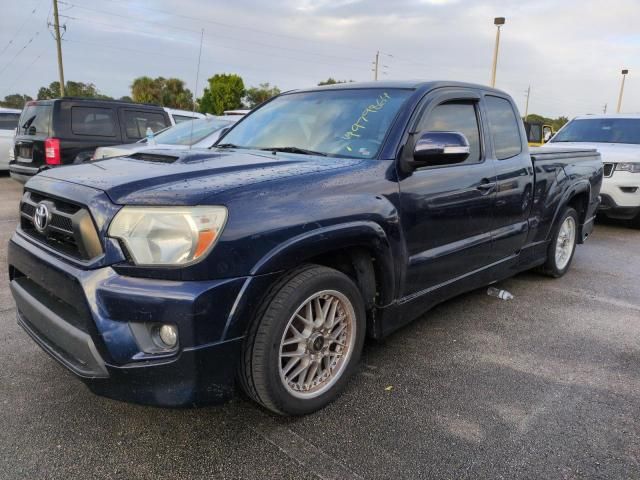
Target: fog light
<point>169,335</point>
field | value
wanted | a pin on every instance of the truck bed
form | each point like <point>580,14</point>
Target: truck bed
<point>546,153</point>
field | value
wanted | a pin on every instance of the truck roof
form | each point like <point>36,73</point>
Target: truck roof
<point>611,115</point>
<point>409,84</point>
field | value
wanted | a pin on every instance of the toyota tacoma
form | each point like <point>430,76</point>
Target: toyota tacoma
<point>324,216</point>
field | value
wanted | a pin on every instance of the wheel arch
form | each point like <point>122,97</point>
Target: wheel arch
<point>359,249</point>
<point>577,197</point>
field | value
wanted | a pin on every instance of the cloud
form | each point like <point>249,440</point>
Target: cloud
<point>570,52</point>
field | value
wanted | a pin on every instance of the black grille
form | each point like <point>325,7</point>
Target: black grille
<point>63,232</point>
<point>608,169</point>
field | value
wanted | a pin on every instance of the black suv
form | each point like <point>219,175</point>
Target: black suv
<point>68,130</point>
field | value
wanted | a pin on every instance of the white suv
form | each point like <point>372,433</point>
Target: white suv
<point>617,138</point>
<point>8,122</point>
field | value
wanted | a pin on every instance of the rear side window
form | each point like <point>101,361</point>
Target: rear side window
<point>504,127</point>
<point>35,120</point>
<point>93,121</point>
<point>9,121</point>
<point>136,123</point>
<point>456,117</point>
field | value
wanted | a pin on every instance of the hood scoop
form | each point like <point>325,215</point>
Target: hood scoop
<point>154,157</point>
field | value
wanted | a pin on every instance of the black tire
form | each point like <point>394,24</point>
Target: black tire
<point>635,222</point>
<point>551,267</point>
<point>259,371</point>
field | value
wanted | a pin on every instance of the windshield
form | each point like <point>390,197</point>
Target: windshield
<point>191,132</point>
<point>347,123</point>
<point>601,130</point>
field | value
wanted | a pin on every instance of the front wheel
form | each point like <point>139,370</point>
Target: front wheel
<point>563,245</point>
<point>306,342</point>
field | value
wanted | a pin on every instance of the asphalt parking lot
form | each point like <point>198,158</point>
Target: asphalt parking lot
<point>544,386</point>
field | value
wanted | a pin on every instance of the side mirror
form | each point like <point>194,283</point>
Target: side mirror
<point>439,148</point>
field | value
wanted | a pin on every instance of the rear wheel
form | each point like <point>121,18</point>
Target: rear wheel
<point>563,245</point>
<point>305,343</point>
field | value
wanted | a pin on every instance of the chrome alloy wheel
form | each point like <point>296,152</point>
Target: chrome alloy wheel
<point>317,344</point>
<point>565,242</point>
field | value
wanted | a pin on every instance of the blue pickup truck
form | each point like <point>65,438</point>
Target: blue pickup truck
<point>324,216</point>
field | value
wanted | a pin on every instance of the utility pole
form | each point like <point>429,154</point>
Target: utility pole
<point>526,108</point>
<point>498,22</point>
<point>624,75</point>
<point>56,27</point>
<point>375,66</point>
<point>604,109</point>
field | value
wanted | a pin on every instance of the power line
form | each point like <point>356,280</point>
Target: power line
<point>235,39</point>
<point>20,51</point>
<point>147,52</point>
<point>19,30</point>
<point>218,45</point>
<point>22,72</point>
<point>213,22</point>
<point>134,50</point>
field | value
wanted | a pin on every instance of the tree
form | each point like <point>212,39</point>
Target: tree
<point>332,81</point>
<point>15,100</point>
<point>257,95</point>
<point>71,89</point>
<point>167,92</point>
<point>225,92</point>
<point>126,98</point>
<point>556,123</point>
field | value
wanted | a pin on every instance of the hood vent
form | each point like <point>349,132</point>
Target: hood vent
<point>154,157</point>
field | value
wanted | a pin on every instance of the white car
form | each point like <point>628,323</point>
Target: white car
<point>8,122</point>
<point>617,138</point>
<point>200,133</point>
<point>178,116</point>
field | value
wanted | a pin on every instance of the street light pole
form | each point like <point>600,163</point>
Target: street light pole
<point>624,75</point>
<point>498,22</point>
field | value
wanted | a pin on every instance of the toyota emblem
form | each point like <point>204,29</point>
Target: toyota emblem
<point>41,218</point>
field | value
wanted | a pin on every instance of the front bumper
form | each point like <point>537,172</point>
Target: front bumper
<point>610,208</point>
<point>621,195</point>
<point>83,318</point>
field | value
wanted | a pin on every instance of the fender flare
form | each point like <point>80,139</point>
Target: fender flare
<point>302,247</point>
<point>577,188</point>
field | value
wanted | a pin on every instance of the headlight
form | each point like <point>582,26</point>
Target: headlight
<point>628,167</point>
<point>168,235</point>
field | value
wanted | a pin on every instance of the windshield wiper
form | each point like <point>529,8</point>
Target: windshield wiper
<point>226,145</point>
<point>303,151</point>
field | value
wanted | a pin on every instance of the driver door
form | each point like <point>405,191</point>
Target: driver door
<point>447,210</point>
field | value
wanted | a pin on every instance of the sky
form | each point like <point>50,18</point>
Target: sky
<point>571,52</point>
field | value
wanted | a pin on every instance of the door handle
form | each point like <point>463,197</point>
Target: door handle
<point>486,186</point>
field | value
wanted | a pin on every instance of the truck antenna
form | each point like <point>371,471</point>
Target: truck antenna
<point>195,93</point>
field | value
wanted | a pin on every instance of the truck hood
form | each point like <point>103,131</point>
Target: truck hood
<point>169,177</point>
<point>611,152</point>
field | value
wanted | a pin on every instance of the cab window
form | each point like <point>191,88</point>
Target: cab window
<point>456,117</point>
<point>504,126</point>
